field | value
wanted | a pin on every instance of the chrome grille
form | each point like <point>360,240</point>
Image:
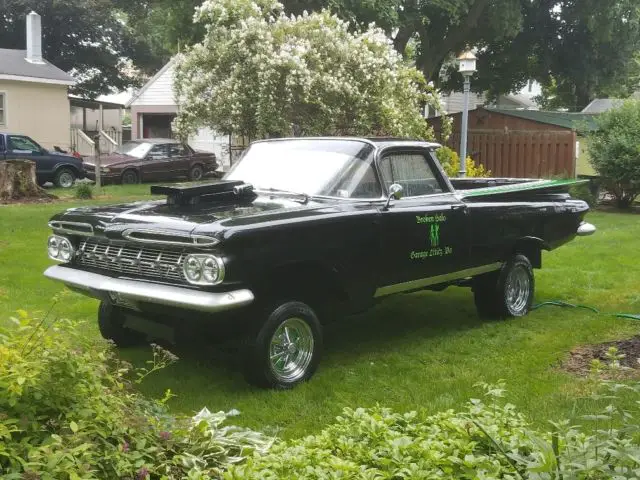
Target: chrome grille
<point>129,259</point>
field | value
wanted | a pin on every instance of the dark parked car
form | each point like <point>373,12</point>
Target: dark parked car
<point>58,167</point>
<point>152,160</point>
<point>303,230</point>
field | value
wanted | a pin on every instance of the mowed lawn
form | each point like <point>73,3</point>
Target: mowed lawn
<point>416,351</point>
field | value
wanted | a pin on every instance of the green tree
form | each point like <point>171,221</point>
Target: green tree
<point>259,72</point>
<point>165,26</point>
<point>83,37</point>
<point>614,151</point>
<point>437,28</point>
<point>577,49</point>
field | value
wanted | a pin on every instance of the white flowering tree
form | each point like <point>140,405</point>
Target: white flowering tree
<point>261,73</point>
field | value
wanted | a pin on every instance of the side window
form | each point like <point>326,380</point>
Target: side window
<point>2,149</point>
<point>158,152</point>
<point>358,181</point>
<point>177,150</point>
<point>411,170</point>
<point>22,144</point>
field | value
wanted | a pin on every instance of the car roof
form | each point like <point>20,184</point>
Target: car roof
<point>154,140</point>
<point>380,142</point>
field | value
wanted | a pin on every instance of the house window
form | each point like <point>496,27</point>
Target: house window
<point>3,108</point>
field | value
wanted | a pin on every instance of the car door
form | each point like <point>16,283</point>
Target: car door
<point>154,166</point>
<point>179,160</point>
<point>23,147</point>
<point>423,234</point>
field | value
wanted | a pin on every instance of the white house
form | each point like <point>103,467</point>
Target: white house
<point>523,100</point>
<point>154,107</point>
<point>33,92</point>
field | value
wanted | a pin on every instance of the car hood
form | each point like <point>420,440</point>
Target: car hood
<point>113,160</point>
<point>215,218</point>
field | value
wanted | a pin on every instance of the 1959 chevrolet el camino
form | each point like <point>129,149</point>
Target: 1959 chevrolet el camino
<point>302,230</point>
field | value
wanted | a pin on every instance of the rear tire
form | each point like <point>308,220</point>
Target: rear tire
<point>64,178</point>
<point>505,293</point>
<point>129,177</point>
<point>111,324</point>
<point>285,349</point>
<point>196,173</point>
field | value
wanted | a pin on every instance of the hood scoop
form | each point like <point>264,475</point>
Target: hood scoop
<point>192,194</point>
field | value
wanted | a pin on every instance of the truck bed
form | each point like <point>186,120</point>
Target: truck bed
<point>487,189</point>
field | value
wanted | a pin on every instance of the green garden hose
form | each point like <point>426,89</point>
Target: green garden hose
<point>559,303</point>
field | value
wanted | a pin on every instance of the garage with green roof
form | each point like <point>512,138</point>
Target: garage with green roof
<point>525,143</point>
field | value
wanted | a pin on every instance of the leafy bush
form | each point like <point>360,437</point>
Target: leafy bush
<point>260,72</point>
<point>84,191</point>
<point>586,192</point>
<point>450,161</point>
<point>68,411</point>
<point>614,151</point>
<point>489,439</point>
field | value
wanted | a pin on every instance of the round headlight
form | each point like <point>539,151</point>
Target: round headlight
<point>65,250</point>
<point>193,269</point>
<point>203,269</point>
<point>53,247</point>
<point>210,270</point>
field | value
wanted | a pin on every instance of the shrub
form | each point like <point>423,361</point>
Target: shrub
<point>586,192</point>
<point>489,439</point>
<point>450,161</point>
<point>614,151</point>
<point>84,191</point>
<point>259,72</point>
<point>68,411</point>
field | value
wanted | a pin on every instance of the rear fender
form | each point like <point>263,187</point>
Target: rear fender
<point>531,247</point>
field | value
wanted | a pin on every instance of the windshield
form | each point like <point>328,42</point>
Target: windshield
<point>340,168</point>
<point>134,149</point>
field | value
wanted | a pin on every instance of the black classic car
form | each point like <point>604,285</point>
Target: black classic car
<point>51,166</point>
<point>152,160</point>
<point>302,231</point>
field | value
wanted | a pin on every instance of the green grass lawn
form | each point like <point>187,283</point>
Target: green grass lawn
<point>415,351</point>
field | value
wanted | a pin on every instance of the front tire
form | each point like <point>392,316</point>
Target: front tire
<point>286,349</point>
<point>506,293</point>
<point>196,173</point>
<point>129,177</point>
<point>64,178</point>
<point>111,324</point>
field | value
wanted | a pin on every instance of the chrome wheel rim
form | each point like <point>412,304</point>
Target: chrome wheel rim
<point>65,179</point>
<point>291,350</point>
<point>518,289</point>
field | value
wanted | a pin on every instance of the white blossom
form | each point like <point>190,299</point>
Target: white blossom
<point>259,72</point>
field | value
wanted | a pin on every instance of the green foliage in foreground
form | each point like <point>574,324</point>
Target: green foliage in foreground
<point>68,411</point>
<point>450,161</point>
<point>488,439</point>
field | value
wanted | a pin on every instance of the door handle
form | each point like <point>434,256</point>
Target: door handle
<point>462,208</point>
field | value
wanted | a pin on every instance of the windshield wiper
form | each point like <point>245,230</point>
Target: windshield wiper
<point>305,197</point>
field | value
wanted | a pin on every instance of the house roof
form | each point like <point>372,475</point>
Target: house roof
<point>601,105</point>
<point>573,121</point>
<point>14,66</point>
<point>150,82</point>
<point>522,99</point>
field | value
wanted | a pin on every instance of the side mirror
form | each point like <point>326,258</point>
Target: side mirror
<point>395,193</point>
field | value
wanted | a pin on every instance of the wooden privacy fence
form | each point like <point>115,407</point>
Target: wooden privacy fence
<point>522,154</point>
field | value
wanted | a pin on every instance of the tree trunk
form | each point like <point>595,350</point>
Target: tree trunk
<point>18,182</point>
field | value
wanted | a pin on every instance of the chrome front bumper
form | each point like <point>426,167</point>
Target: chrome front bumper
<point>586,229</point>
<point>132,291</point>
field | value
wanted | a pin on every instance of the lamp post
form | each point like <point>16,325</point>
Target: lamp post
<point>467,68</point>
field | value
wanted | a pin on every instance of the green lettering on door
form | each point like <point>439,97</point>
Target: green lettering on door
<point>435,234</point>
